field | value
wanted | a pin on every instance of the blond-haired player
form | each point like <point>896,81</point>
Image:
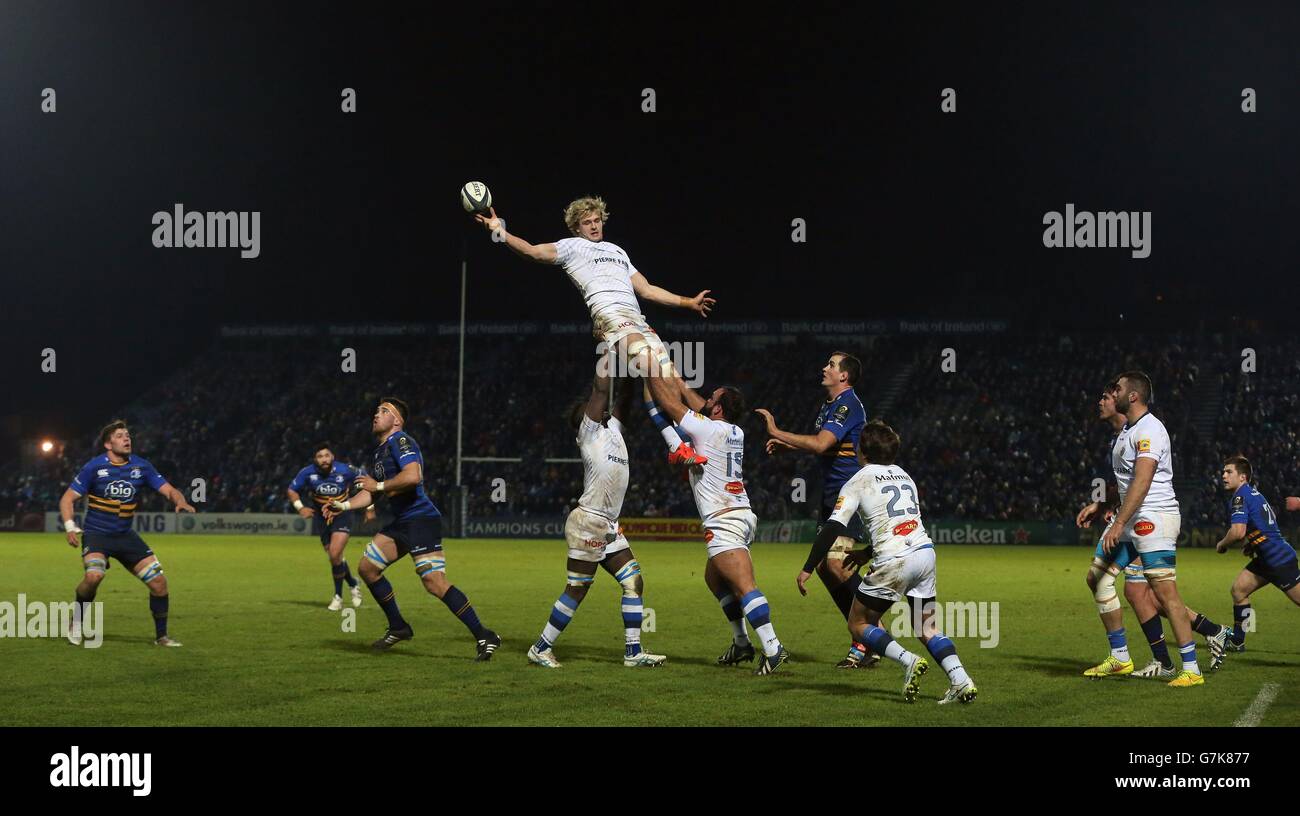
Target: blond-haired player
<point>610,286</point>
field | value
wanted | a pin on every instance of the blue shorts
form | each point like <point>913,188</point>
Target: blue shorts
<point>128,548</point>
<point>416,536</point>
<point>1283,576</point>
<point>342,524</point>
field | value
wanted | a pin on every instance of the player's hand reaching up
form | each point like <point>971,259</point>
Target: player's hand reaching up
<point>1293,503</point>
<point>768,419</point>
<point>491,222</point>
<point>775,445</point>
<point>702,303</point>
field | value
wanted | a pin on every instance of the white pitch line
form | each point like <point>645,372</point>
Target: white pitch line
<point>1262,701</point>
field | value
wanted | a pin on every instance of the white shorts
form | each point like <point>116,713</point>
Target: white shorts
<point>617,327</point>
<point>911,574</point>
<point>733,530</point>
<point>591,536</point>
<point>1152,532</point>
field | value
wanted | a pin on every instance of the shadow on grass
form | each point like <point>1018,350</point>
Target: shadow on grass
<point>1055,666</point>
<point>312,604</point>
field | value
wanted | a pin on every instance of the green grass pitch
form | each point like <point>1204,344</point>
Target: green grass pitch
<point>261,649</point>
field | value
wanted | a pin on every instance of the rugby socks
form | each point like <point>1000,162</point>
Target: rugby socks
<point>666,429</point>
<point>383,594</point>
<point>158,607</point>
<point>631,626</point>
<point>760,617</point>
<point>460,607</point>
<point>881,643</point>
<point>1240,612</point>
<point>735,616</point>
<point>1155,632</point>
<point>945,654</point>
<point>337,570</point>
<point>1119,645</point>
<point>1204,626</point>
<point>347,574</point>
<point>79,606</point>
<point>1188,652</point>
<point>561,614</point>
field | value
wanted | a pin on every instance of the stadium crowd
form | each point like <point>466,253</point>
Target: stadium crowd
<point>1010,432</point>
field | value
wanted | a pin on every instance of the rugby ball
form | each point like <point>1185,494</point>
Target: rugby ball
<point>475,197</point>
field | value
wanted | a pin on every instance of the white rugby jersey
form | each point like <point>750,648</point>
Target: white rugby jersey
<point>887,500</point>
<point>603,273</point>
<point>604,465</point>
<point>1146,439</point>
<point>719,485</point>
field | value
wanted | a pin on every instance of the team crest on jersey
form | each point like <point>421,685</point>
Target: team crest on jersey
<point>734,488</point>
<point>1144,528</point>
<point>906,527</point>
<point>841,413</point>
<point>1144,446</point>
<point>135,473</point>
<point>1238,502</point>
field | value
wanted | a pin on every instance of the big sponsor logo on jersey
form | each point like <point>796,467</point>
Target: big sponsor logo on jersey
<point>119,489</point>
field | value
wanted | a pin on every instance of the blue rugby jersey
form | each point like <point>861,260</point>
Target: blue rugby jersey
<point>321,488</point>
<point>390,457</point>
<point>1249,507</point>
<point>843,416</point>
<point>112,491</point>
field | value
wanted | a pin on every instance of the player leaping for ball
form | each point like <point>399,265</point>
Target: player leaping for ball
<point>902,560</point>
<point>610,285</point>
<point>729,523</point>
<point>592,529</point>
<point>111,483</point>
<point>416,529</point>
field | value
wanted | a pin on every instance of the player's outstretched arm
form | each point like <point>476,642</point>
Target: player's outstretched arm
<point>66,504</point>
<point>541,253</point>
<point>819,443</point>
<point>645,290</point>
<point>176,497</point>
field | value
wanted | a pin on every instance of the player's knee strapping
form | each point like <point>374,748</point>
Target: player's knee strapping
<point>640,348</point>
<point>578,579</point>
<point>376,556</point>
<point>96,565</point>
<point>430,564</point>
<point>1158,567</point>
<point>1107,600</point>
<point>629,577</point>
<point>151,572</point>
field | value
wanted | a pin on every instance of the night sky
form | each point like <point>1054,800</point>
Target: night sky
<point>832,116</point>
